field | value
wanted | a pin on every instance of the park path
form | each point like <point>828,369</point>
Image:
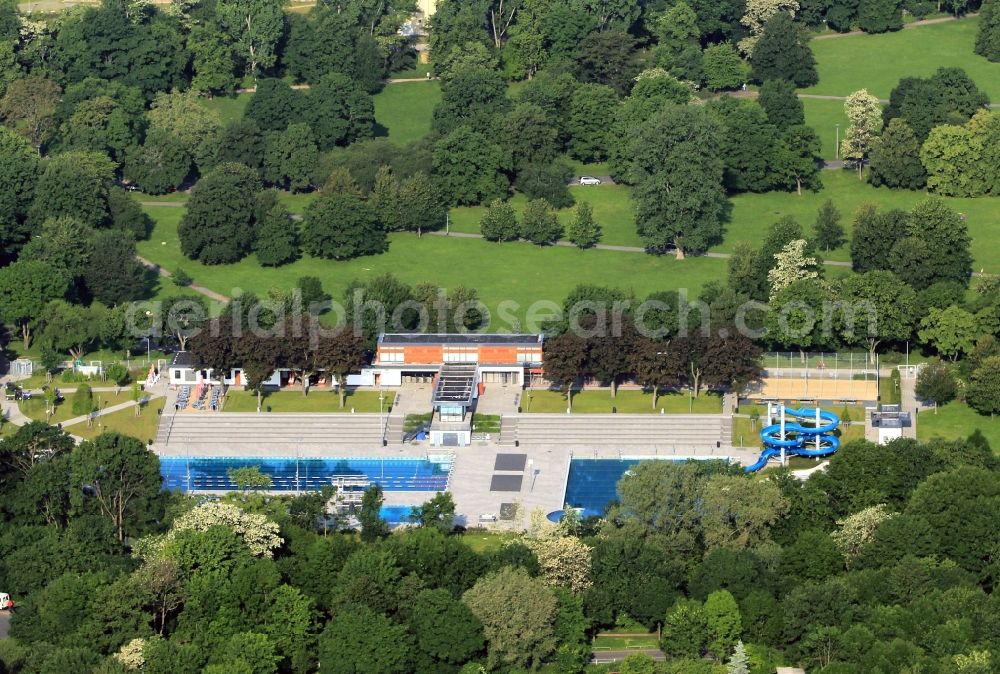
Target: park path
<point>615,248</point>
<point>211,294</point>
<point>109,410</point>
<point>914,24</point>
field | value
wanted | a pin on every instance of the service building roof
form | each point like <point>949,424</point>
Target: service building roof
<point>459,339</point>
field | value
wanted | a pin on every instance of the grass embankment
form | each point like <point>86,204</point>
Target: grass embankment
<point>956,421</point>
<point>317,401</point>
<point>125,422</point>
<point>626,402</point>
<point>486,423</point>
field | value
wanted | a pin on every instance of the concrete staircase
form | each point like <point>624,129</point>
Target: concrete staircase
<point>508,430</point>
<point>625,430</point>
<point>267,430</point>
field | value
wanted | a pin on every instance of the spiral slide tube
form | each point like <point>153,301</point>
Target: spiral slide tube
<point>815,440</point>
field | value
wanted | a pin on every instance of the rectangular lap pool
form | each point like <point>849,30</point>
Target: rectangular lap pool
<point>593,483</point>
<point>291,474</point>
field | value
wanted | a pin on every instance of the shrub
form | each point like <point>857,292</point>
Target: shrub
<point>181,279</point>
<point>83,400</point>
<point>117,373</point>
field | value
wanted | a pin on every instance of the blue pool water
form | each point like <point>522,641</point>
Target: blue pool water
<point>395,514</point>
<point>593,483</point>
<point>291,474</point>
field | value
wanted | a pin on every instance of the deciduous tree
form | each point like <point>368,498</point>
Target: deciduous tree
<point>339,227</point>
<point>256,27</point>
<point>119,476</point>
<point>565,360</point>
<point>678,195</point>
<point>865,122</point>
<point>879,308</point>
<point>468,167</point>
<point>25,289</point>
<point>219,224</point>
<point>29,105</point>
<point>517,613</point>
<point>583,231</point>
<point>936,383</point>
<point>828,231</point>
<point>988,38</point>
<point>113,275</point>
<point>781,103</point>
<point>723,67</point>
<point>564,561</point>
<point>539,223</point>
<point>895,158</point>
<point>360,641</point>
<point>783,52</point>
<point>499,222</point>
<point>277,241</point>
<point>952,331</point>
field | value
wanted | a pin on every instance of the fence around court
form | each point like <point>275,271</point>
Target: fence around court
<point>776,362</point>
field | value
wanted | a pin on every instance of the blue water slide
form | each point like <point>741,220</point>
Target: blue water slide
<point>814,439</point>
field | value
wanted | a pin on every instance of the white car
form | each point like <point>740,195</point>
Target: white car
<point>590,180</point>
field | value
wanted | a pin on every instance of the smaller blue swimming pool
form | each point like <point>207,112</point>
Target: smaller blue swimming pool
<point>396,514</point>
<point>297,474</point>
<point>593,483</point>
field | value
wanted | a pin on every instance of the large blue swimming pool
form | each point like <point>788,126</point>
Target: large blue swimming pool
<point>291,474</point>
<point>593,483</point>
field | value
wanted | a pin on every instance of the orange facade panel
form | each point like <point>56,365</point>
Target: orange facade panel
<point>423,354</point>
<point>434,354</point>
<point>502,355</point>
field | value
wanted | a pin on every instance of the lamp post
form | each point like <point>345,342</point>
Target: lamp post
<point>837,146</point>
<point>149,314</point>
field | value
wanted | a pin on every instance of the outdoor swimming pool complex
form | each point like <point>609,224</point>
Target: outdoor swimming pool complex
<point>593,483</point>
<point>299,474</point>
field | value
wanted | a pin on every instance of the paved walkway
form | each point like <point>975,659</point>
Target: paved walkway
<point>913,24</point>
<point>909,403</point>
<point>616,248</point>
<point>211,294</point>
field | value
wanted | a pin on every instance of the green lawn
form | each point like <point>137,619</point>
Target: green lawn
<point>403,111</point>
<point>609,642</point>
<point>520,272</point>
<point>483,541</point>
<point>627,402</point>
<point>316,401</point>
<point>35,408</point>
<point>956,421</point>
<point>877,62</point>
<point>486,423</point>
<point>823,116</point>
<point>612,206</point>
<point>229,107</point>
<point>753,213</point>
<point>125,422</point>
